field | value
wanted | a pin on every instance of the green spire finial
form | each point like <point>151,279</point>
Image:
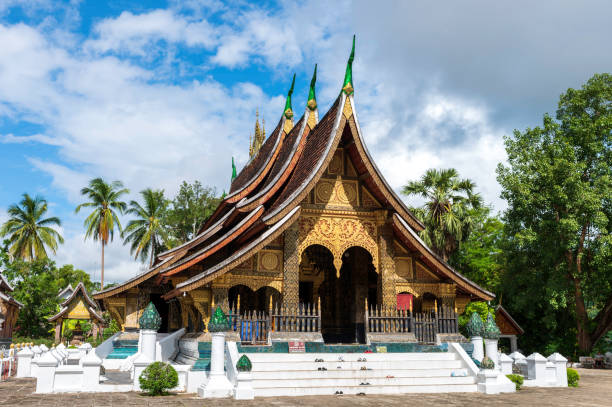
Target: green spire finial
<point>475,327</point>
<point>288,112</point>
<point>347,86</point>
<point>491,331</point>
<point>312,98</point>
<point>233,170</point>
<point>218,321</point>
<point>150,318</point>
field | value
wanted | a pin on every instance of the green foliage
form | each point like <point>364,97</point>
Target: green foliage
<point>558,184</point>
<point>158,378</point>
<point>572,377</point>
<point>192,205</point>
<point>36,285</point>
<point>479,307</point>
<point>147,233</point>
<point>447,212</point>
<point>30,235</point>
<point>481,257</point>
<point>517,379</point>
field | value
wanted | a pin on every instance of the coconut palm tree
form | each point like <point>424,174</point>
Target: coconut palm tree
<point>449,203</point>
<point>28,233</point>
<point>104,198</point>
<point>147,233</point>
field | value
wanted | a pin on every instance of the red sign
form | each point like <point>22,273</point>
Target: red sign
<point>297,347</point>
<point>404,301</point>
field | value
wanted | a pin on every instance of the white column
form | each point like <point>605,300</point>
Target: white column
<point>217,385</point>
<point>148,341</point>
<point>46,373</point>
<point>478,352</point>
<point>24,362</point>
<point>491,348</point>
<point>91,371</point>
<point>536,367</point>
<point>560,368</point>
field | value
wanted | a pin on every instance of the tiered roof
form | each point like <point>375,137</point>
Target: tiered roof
<point>6,287</point>
<point>65,305</point>
<point>265,198</point>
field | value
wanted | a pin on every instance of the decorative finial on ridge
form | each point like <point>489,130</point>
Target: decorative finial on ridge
<point>234,175</point>
<point>312,98</point>
<point>347,86</point>
<point>288,111</point>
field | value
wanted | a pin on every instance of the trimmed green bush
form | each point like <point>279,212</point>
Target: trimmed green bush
<point>572,377</point>
<point>158,378</point>
<point>517,379</point>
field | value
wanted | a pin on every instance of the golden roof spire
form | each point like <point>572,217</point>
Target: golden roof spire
<point>258,138</point>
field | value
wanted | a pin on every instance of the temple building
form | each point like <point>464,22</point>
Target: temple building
<point>76,304</point>
<point>309,224</point>
<point>9,311</point>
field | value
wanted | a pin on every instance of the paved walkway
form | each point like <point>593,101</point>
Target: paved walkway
<point>595,390</point>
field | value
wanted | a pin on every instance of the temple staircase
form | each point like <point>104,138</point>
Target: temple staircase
<point>304,374</point>
<point>123,348</point>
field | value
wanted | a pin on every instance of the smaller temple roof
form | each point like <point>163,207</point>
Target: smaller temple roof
<point>5,287</point>
<point>507,318</point>
<point>65,306</point>
<point>4,284</point>
<point>66,292</point>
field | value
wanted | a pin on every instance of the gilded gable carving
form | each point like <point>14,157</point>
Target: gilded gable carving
<point>368,200</point>
<point>336,165</point>
<point>336,193</point>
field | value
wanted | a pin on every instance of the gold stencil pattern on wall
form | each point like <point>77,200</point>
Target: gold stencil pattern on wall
<point>336,193</point>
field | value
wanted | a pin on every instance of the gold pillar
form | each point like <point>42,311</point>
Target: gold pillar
<point>386,266</point>
<point>291,272</point>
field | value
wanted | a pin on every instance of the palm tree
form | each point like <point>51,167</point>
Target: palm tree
<point>147,233</point>
<point>447,212</point>
<point>100,224</point>
<point>28,233</point>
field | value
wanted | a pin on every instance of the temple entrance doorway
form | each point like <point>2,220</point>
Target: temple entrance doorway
<point>342,297</point>
<point>162,307</point>
<point>244,299</point>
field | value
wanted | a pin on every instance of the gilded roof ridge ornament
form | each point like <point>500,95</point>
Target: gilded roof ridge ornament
<point>347,86</point>
<point>312,98</point>
<point>288,111</point>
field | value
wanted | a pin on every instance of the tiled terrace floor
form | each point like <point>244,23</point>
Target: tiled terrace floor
<point>595,390</point>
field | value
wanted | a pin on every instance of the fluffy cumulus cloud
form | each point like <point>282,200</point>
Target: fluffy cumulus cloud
<point>436,86</point>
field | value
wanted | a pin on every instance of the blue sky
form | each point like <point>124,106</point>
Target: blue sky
<point>156,92</point>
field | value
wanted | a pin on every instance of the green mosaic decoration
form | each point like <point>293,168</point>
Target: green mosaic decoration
<point>150,318</point>
<point>312,98</point>
<point>475,327</point>
<point>491,331</point>
<point>244,364</point>
<point>218,321</point>
<point>487,363</point>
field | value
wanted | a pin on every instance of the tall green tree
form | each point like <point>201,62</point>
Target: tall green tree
<point>481,257</point>
<point>188,211</point>
<point>447,212</point>
<point>30,234</point>
<point>558,184</point>
<point>105,199</point>
<point>147,233</point>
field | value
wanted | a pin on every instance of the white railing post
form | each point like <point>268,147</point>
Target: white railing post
<point>91,371</point>
<point>46,373</point>
<point>505,364</point>
<point>560,368</point>
<point>24,362</point>
<point>536,367</point>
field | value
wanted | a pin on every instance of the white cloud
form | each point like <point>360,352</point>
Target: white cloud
<point>133,33</point>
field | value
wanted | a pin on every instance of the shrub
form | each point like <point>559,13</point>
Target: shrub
<point>572,377</point>
<point>158,378</point>
<point>516,379</point>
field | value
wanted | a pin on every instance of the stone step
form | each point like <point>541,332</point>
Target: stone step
<point>334,357</point>
<point>363,382</point>
<point>283,365</point>
<point>351,373</point>
<point>388,389</point>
